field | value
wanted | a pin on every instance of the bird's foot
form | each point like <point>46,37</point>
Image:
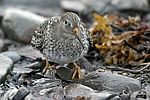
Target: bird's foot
<point>48,66</point>
<point>77,70</point>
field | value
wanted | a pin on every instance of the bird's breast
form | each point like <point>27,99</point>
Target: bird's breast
<point>63,51</point>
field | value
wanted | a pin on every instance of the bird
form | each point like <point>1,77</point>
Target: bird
<point>62,39</point>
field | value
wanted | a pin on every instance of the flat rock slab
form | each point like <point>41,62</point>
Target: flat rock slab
<point>14,56</point>
<point>110,81</point>
<point>5,66</point>
<point>74,90</point>
<point>19,25</point>
<point>28,51</point>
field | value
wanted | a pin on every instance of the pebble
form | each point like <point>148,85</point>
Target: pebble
<point>14,56</point>
<point>61,72</point>
<point>5,66</point>
<point>21,93</point>
<point>55,93</point>
<point>74,90</point>
<point>19,25</point>
<point>101,96</point>
<point>85,64</point>
<point>45,83</point>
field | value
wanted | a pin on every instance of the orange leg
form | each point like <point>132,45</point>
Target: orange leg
<point>48,66</point>
<point>76,71</point>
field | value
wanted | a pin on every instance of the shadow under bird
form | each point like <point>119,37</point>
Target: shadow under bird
<point>62,39</point>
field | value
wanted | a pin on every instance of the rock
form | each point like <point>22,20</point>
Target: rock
<point>148,89</point>
<point>30,97</point>
<point>131,5</point>
<point>45,83</point>
<point>5,66</point>
<point>21,93</point>
<point>10,94</point>
<point>2,44</point>
<point>19,25</point>
<point>110,81</point>
<point>1,34</point>
<point>61,72</point>
<point>84,63</point>
<point>56,93</point>
<point>128,7</point>
<point>14,56</point>
<point>51,7</point>
<point>28,51</point>
<point>20,69</point>
<point>15,94</point>
<point>147,17</point>
<point>101,96</point>
<point>74,90</point>
<point>73,5</point>
<point>97,5</point>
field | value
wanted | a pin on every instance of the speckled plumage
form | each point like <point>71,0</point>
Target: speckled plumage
<point>56,41</point>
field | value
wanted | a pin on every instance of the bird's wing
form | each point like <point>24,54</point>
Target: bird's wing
<point>87,34</point>
<point>41,32</point>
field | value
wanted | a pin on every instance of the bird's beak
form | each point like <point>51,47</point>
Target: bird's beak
<point>76,33</point>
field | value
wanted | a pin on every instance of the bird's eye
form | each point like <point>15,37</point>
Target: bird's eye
<point>66,22</point>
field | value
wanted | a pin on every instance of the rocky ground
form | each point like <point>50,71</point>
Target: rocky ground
<point>21,65</point>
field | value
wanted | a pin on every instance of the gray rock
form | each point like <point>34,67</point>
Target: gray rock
<point>28,51</point>
<point>1,34</point>
<point>2,44</point>
<point>45,83</point>
<point>10,94</point>
<point>110,81</point>
<point>21,93</point>
<point>14,56</point>
<point>55,93</point>
<point>61,72</point>
<point>19,25</point>
<point>47,8</point>
<point>147,17</point>
<point>131,5</point>
<point>101,96</point>
<point>148,89</point>
<point>20,69</point>
<point>30,97</point>
<point>97,5</point>
<point>5,66</point>
<point>73,5</point>
<point>74,90</point>
<point>118,6</point>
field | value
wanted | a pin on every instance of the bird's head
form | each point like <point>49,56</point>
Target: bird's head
<point>69,26</point>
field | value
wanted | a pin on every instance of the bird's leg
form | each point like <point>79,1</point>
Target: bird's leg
<point>48,66</point>
<point>76,71</point>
